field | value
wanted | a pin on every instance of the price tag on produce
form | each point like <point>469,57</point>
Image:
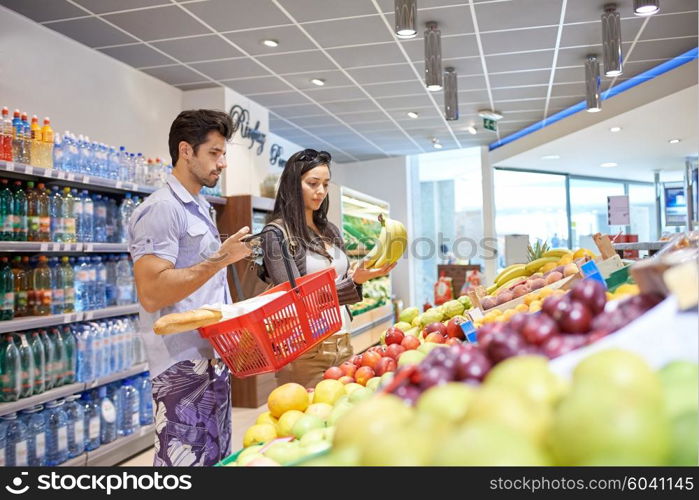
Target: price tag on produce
<point>9,166</point>
<point>469,331</point>
<point>591,271</point>
<point>43,247</point>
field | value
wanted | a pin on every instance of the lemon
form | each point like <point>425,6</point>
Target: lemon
<point>287,421</point>
<point>259,433</point>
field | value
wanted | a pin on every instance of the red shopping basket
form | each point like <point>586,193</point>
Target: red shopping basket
<point>266,339</point>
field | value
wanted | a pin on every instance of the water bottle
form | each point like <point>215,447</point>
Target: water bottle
<point>126,417</point>
<point>57,224</point>
<point>57,154</point>
<point>34,419</point>
<point>92,421</point>
<point>68,215</point>
<point>112,164</point>
<point>97,159</point>
<point>57,288</point>
<point>85,155</point>
<point>121,163</point>
<point>10,370</point>
<point>111,290</point>
<point>59,360</point>
<point>100,282</point>
<point>100,223</point>
<point>140,166</point>
<point>86,353</point>
<point>128,343</point>
<point>91,284</point>
<point>118,343</point>
<point>56,432</point>
<point>26,360</point>
<point>67,147</point>
<point>124,278</point>
<point>71,353</point>
<point>40,374</point>
<point>145,391</point>
<point>112,221</point>
<point>109,416</point>
<point>125,211</point>
<point>139,349</point>
<point>96,334</point>
<point>75,413</point>
<point>51,360</point>
<point>82,279</point>
<point>88,213</point>
<point>16,447</point>
<point>132,167</point>
<point>67,281</point>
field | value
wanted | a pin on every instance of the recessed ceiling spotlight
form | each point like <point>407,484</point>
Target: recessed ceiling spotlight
<point>471,130</point>
<point>646,7</point>
<point>318,81</point>
<point>615,129</point>
<point>413,114</point>
<point>674,141</point>
<point>608,164</point>
<point>436,144</point>
<point>270,43</point>
<point>550,157</point>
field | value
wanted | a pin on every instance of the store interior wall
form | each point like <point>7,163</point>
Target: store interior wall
<point>387,179</point>
<point>82,90</point>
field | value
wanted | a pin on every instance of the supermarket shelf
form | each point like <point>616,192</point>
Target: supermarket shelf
<point>79,461</point>
<point>134,370</point>
<point>58,392</point>
<point>68,390</point>
<point>30,322</point>
<point>83,181</point>
<point>36,246</point>
<point>117,451</point>
<point>648,245</point>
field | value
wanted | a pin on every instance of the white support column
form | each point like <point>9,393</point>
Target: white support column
<point>489,234</point>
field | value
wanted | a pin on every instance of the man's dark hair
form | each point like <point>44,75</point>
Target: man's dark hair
<point>194,125</point>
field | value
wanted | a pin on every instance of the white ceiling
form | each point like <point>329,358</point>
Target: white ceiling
<point>639,148</point>
<point>522,57</point>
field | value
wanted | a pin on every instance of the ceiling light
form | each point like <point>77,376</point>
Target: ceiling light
<point>615,129</point>
<point>406,18</point>
<point>646,7</point>
<point>608,164</point>
<point>318,81</point>
<point>413,114</point>
<point>451,97</point>
<point>433,57</point>
<point>270,43</point>
<point>674,141</point>
<point>611,40</point>
<point>550,157</point>
<point>593,84</point>
<point>489,114</point>
<point>436,144</point>
<point>471,130</point>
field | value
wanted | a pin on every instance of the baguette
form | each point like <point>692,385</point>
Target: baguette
<point>185,321</point>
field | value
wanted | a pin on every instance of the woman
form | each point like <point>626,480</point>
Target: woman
<point>301,216</point>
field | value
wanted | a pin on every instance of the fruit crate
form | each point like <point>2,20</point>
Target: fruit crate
<point>618,278</point>
<point>301,461</point>
<point>229,459</point>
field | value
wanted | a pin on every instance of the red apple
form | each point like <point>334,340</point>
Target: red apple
<point>346,379</point>
<point>369,359</point>
<point>348,368</point>
<point>364,374</point>
<point>394,350</point>
<point>454,327</point>
<point>356,360</point>
<point>437,326</point>
<point>334,372</point>
<point>410,342</point>
<point>385,364</point>
<point>453,341</point>
<point>378,349</point>
<point>435,337</point>
<point>394,336</point>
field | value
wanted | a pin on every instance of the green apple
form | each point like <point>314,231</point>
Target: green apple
<point>314,435</point>
<point>285,452</point>
<point>351,387</point>
<point>369,419</point>
<point>622,370</point>
<point>403,326</point>
<point>339,410</point>
<point>598,423</point>
<point>307,423</point>
<point>408,315</point>
<point>373,383</point>
<point>684,439</point>
<point>360,395</point>
<point>529,375</point>
<point>488,444</point>
<point>398,447</point>
<point>411,357</point>
<point>680,381</point>
<point>320,410</point>
<point>447,401</point>
<point>317,447</point>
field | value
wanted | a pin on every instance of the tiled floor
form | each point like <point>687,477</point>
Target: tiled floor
<point>242,419</point>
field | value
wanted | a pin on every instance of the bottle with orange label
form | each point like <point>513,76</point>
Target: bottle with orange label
<point>47,138</point>
<point>36,144</point>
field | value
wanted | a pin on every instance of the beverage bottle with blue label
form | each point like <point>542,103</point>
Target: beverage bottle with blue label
<point>92,421</point>
<point>127,397</point>
<point>10,370</point>
<point>100,223</point>
<point>145,391</point>
<point>100,282</point>
<point>124,282</point>
<point>70,349</point>
<point>39,354</point>
<point>88,215</point>
<point>51,361</point>
<point>110,287</point>
<point>61,360</point>
<point>86,353</point>
<point>82,285</point>
<point>75,412</point>
<point>119,359</point>
<point>109,416</point>
<point>56,432</point>
<point>57,224</point>
<point>16,446</point>
<point>26,359</point>
<point>35,421</point>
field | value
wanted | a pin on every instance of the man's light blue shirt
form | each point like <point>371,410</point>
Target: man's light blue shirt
<point>176,226</point>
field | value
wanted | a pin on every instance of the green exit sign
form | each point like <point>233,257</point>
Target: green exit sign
<point>490,124</point>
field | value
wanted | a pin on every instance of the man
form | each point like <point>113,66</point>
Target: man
<point>180,264</point>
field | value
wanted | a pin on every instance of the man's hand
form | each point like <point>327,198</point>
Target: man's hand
<point>232,250</point>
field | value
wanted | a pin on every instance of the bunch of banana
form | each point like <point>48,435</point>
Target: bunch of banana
<point>537,264</point>
<point>390,246</point>
<point>510,273</point>
<point>557,252</point>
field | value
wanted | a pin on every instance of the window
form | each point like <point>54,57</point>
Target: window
<point>588,207</point>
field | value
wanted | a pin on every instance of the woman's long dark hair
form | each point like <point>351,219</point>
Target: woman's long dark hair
<point>289,205</point>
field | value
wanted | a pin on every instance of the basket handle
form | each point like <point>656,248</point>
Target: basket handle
<point>284,244</point>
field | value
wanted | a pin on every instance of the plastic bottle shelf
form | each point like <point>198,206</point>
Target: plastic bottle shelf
<point>44,247</point>
<point>85,181</point>
<point>19,324</point>
<point>122,448</point>
<point>68,390</point>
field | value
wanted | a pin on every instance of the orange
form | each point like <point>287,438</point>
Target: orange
<point>287,397</point>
